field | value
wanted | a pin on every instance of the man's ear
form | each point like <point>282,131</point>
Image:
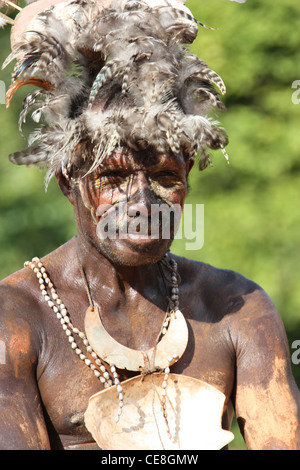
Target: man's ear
<point>65,186</point>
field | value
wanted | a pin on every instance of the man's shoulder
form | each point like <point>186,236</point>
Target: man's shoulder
<point>25,281</point>
<point>20,291</point>
<point>18,299</point>
<point>16,285</point>
<point>225,292</point>
<point>225,281</point>
<point>19,319</point>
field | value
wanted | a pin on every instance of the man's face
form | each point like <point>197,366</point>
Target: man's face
<point>131,206</point>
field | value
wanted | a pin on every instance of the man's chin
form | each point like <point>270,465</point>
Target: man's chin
<point>135,250</point>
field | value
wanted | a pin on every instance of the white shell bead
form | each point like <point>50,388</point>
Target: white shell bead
<point>67,326</point>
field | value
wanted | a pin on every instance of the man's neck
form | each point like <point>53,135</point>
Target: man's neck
<point>117,279</point>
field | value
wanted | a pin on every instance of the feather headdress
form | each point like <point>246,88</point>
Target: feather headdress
<point>117,76</point>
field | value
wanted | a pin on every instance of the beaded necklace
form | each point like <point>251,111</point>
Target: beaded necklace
<point>108,379</point>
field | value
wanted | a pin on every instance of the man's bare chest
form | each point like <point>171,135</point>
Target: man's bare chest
<point>67,383</point>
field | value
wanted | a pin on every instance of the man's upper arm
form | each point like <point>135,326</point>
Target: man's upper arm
<point>22,423</point>
<point>267,400</point>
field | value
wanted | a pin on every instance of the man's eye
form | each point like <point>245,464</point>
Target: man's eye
<point>168,178</point>
<point>165,174</point>
<point>113,177</point>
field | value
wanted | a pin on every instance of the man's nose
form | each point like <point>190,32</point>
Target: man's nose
<point>141,197</point>
<point>139,182</point>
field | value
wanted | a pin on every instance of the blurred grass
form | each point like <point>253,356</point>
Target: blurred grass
<point>252,217</point>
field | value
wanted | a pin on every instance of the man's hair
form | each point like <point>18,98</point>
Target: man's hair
<point>113,77</point>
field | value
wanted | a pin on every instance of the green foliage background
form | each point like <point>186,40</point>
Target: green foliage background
<point>252,218</point>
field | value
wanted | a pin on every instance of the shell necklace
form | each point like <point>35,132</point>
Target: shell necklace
<point>101,347</point>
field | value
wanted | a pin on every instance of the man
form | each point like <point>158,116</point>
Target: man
<point>236,340</point>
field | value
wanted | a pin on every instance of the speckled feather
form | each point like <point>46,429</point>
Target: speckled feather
<point>119,76</point>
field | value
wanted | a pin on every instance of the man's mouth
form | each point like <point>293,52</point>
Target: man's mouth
<point>139,228</point>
